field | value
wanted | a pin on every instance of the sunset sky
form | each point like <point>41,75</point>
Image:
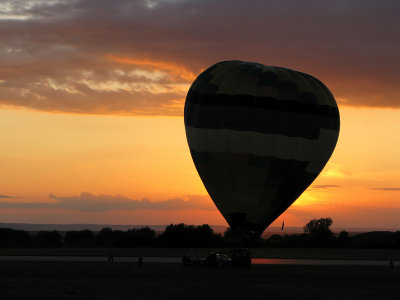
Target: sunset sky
<point>92,96</point>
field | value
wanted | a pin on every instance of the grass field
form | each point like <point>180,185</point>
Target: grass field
<point>91,280</point>
<point>308,253</point>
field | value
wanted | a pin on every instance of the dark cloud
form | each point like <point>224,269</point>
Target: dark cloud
<point>94,203</point>
<point>139,57</point>
<point>386,189</point>
<point>6,197</point>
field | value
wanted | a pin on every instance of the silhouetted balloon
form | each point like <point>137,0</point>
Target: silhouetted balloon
<point>258,136</point>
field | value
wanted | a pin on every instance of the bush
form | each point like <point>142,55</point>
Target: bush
<point>14,238</point>
<point>318,232</point>
<point>82,238</point>
<point>47,239</point>
<point>182,235</point>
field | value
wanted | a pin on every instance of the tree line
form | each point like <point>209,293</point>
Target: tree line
<point>317,233</point>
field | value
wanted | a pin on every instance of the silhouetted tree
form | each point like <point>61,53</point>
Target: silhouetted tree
<point>343,239</point>
<point>14,238</point>
<point>295,240</point>
<point>374,239</point>
<point>138,237</point>
<point>319,232</point>
<point>47,239</point>
<point>396,239</point>
<point>182,235</point>
<point>80,238</point>
<point>108,237</point>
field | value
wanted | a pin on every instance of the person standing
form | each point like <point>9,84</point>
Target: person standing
<point>140,261</point>
<point>391,262</point>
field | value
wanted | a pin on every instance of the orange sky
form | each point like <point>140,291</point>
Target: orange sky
<point>148,157</point>
<point>91,106</point>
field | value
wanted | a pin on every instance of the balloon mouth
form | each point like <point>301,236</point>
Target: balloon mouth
<point>248,237</point>
<point>249,232</point>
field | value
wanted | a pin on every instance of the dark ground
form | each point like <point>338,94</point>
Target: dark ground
<point>96,280</point>
<point>307,253</point>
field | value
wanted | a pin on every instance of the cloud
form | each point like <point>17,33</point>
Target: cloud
<point>139,57</point>
<point>5,196</point>
<point>325,186</point>
<point>396,189</point>
<point>94,203</point>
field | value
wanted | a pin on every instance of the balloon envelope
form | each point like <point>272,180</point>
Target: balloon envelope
<point>258,136</point>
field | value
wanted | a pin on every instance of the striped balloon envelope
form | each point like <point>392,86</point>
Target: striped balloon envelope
<point>258,136</point>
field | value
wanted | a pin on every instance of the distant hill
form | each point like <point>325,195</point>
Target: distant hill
<point>159,228</point>
<point>353,231</point>
<point>375,238</point>
<point>92,227</point>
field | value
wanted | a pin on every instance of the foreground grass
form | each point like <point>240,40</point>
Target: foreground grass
<point>307,253</point>
<point>91,280</point>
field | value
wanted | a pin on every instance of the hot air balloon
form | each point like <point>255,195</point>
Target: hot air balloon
<point>258,136</point>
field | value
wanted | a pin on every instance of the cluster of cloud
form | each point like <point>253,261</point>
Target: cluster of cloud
<point>88,202</point>
<point>395,189</point>
<point>139,57</point>
<point>6,196</point>
<point>324,186</point>
<point>342,214</point>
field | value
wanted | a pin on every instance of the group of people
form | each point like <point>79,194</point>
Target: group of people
<point>191,260</point>
<point>239,257</point>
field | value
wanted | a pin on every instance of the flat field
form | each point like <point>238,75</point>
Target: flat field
<point>98,280</point>
<point>307,253</point>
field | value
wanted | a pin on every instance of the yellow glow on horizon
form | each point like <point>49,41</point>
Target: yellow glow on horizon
<point>68,154</point>
<point>148,157</point>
